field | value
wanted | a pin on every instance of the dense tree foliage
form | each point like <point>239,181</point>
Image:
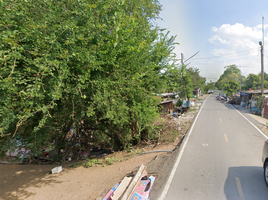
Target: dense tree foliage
<point>253,82</point>
<point>186,87</point>
<point>231,87</point>
<point>209,85</point>
<point>231,72</point>
<point>198,81</point>
<point>90,66</point>
<point>231,78</point>
<point>179,80</point>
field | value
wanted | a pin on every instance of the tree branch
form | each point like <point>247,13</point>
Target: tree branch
<point>12,68</point>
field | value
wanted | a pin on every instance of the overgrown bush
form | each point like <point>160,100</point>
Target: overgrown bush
<point>67,64</point>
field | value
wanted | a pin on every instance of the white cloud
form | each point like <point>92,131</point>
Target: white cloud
<point>222,52</point>
<point>233,44</point>
<point>237,35</point>
<point>238,44</point>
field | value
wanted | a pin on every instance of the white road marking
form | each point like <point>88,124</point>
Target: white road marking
<point>239,187</point>
<point>170,178</point>
<point>250,122</point>
<point>226,139</point>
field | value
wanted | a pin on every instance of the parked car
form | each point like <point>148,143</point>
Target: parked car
<point>210,91</point>
<point>265,162</point>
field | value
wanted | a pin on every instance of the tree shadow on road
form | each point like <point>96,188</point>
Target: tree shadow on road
<point>245,182</point>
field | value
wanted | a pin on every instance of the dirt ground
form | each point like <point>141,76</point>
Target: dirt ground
<point>35,181</point>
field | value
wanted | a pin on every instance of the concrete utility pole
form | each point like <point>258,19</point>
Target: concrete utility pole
<point>240,80</point>
<point>261,43</point>
<point>197,80</point>
<point>262,74</point>
<point>181,58</point>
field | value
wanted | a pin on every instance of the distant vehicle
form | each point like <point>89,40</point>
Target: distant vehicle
<point>223,98</point>
<point>265,162</point>
<point>210,91</point>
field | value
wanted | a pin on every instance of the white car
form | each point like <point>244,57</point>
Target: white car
<point>210,91</point>
<point>265,161</point>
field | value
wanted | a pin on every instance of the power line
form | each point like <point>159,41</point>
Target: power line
<point>226,55</point>
<point>192,56</point>
<point>225,59</point>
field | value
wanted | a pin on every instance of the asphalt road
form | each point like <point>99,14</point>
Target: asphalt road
<point>221,158</point>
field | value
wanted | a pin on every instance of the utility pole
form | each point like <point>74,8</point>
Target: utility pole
<point>262,74</point>
<point>240,80</point>
<point>197,80</point>
<point>261,43</point>
<point>181,58</point>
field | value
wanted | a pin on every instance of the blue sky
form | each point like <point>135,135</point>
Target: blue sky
<point>224,32</point>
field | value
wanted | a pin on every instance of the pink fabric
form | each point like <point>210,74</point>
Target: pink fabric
<point>143,189</point>
<point>109,194</point>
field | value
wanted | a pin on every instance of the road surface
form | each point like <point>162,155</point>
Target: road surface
<point>220,158</point>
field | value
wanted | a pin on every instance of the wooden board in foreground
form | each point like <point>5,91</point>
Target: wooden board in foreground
<point>121,188</point>
<point>134,182</point>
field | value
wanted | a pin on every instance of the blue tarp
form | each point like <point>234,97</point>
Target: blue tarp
<point>255,109</point>
<point>186,103</point>
<point>243,94</point>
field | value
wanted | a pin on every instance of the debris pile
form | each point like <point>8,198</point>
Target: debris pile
<point>137,187</point>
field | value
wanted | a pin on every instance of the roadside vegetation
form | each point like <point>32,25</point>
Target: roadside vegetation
<point>84,73</point>
<point>231,80</point>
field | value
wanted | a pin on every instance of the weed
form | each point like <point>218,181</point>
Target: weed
<point>192,109</point>
<point>75,165</point>
<point>102,162</point>
<point>110,161</point>
<point>139,151</point>
<point>132,152</point>
<point>174,135</point>
<point>90,163</point>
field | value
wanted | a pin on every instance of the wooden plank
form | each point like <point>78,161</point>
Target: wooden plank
<point>144,173</point>
<point>121,188</point>
<point>134,181</point>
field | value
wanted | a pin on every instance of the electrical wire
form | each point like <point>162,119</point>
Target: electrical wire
<point>225,57</point>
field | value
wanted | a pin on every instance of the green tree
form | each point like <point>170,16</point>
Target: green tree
<point>173,79</point>
<point>253,81</point>
<point>197,80</point>
<point>231,72</point>
<point>207,86</point>
<point>231,87</point>
<point>67,64</point>
<point>186,84</point>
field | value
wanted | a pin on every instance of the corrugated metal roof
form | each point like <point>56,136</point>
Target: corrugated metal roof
<point>265,91</point>
<point>163,102</point>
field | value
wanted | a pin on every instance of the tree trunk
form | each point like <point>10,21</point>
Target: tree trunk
<point>135,132</point>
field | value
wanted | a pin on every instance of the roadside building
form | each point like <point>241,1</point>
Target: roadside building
<point>257,103</point>
<point>197,92</point>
